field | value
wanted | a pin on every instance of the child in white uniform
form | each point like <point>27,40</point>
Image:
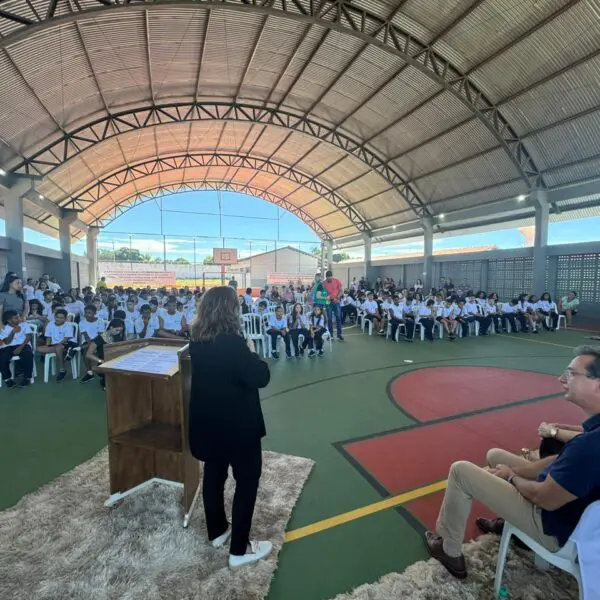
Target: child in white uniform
<point>174,323</point>
<point>90,327</point>
<point>316,327</point>
<point>298,325</point>
<point>60,340</point>
<point>15,340</point>
<point>278,326</point>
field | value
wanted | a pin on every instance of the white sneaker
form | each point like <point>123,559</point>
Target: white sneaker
<point>260,550</point>
<point>222,539</point>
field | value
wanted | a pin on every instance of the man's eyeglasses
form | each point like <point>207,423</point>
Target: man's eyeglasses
<point>569,373</point>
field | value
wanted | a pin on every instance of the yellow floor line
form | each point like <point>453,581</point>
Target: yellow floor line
<point>364,511</point>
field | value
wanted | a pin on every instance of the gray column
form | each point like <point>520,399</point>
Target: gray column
<point>322,263</point>
<point>13,215</point>
<point>368,269</point>
<point>63,272</point>
<point>542,212</point>
<point>427,254</point>
<point>92,254</point>
<point>329,247</point>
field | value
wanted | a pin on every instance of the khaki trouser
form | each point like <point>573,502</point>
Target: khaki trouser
<point>467,481</point>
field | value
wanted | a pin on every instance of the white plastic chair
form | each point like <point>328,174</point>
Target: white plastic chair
<point>364,322</point>
<point>566,559</point>
<point>563,319</point>
<point>401,327</point>
<point>252,325</point>
<point>50,359</point>
<point>299,297</point>
<point>437,325</point>
<point>14,359</point>
<point>327,338</point>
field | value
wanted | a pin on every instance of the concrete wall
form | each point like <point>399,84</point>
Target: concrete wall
<point>285,260</point>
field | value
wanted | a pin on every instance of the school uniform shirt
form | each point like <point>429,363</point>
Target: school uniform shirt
<point>76,308</point>
<point>317,322</point>
<point>425,312</point>
<point>102,313</point>
<point>153,325</point>
<point>57,333</point>
<point>470,309</point>
<point>39,295</point>
<point>397,311</point>
<point>53,287</point>
<point>385,307</point>
<point>411,307</point>
<point>29,292</point>
<point>370,306</point>
<point>173,322</point>
<point>190,314</point>
<point>510,309</point>
<point>248,300</point>
<point>481,301</point>
<point>545,306</point>
<point>301,322</point>
<point>490,309</point>
<point>19,337</point>
<point>92,328</point>
<point>524,306</point>
<point>46,308</point>
<point>275,323</point>
<point>131,315</point>
<point>450,312</point>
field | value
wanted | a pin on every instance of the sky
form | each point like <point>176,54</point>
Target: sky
<point>253,225</point>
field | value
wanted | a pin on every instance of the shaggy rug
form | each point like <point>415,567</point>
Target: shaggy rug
<point>60,543</point>
<point>430,581</point>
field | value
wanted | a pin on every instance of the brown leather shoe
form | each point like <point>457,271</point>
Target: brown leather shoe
<point>490,525</point>
<point>435,546</point>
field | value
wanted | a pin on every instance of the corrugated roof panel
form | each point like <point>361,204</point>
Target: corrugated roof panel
<point>322,157</point>
<point>443,112</point>
<point>572,92</point>
<point>494,26</point>
<point>493,167</point>
<point>565,143</point>
<point>399,97</point>
<point>294,148</point>
<point>383,204</point>
<point>565,39</point>
<point>335,220</point>
<point>579,172</point>
<point>470,138</point>
<point>371,183</point>
<point>339,174</point>
<point>175,49</point>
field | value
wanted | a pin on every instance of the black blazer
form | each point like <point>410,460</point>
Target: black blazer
<point>225,413</point>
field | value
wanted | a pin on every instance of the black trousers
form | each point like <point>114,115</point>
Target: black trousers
<point>484,323</point>
<point>553,319</point>
<point>395,324</point>
<point>497,321</point>
<point>24,365</point>
<point>286,340</point>
<point>314,343</point>
<point>464,323</point>
<point>523,321</point>
<point>409,324</point>
<point>246,465</point>
<point>427,323</point>
<point>348,311</point>
<point>512,319</point>
<point>295,336</point>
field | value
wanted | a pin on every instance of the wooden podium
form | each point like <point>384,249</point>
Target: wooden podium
<point>148,386</point>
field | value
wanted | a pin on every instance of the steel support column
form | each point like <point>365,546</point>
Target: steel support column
<point>542,211</point>
<point>63,272</point>
<point>427,254</point>
<point>13,216</point>
<point>368,265</point>
<point>329,247</point>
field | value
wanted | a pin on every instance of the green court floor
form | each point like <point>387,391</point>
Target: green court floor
<point>309,406</point>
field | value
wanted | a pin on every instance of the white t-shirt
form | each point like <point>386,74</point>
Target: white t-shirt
<point>131,315</point>
<point>92,328</point>
<point>58,333</point>
<point>397,310</point>
<point>39,295</point>
<point>248,299</point>
<point>425,312</point>
<point>450,312</point>
<point>510,309</point>
<point>370,306</point>
<point>314,321</point>
<point>301,322</point>
<point>276,323</point>
<point>54,287</point>
<point>470,309</point>
<point>19,337</point>
<point>172,322</point>
<point>76,308</point>
<point>490,309</point>
<point>153,325</point>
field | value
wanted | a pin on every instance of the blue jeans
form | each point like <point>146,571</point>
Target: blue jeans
<point>334,309</point>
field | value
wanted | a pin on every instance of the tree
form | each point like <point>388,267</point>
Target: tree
<point>340,256</point>
<point>316,251</point>
<point>106,255</point>
<point>208,260</point>
<point>181,261</point>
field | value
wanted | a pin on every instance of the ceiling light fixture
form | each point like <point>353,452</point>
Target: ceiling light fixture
<point>40,196</point>
<point>441,215</point>
<point>521,197</point>
<point>2,172</point>
<point>393,227</point>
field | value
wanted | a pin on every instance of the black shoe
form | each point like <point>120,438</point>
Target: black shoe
<point>61,376</point>
<point>455,565</point>
<point>87,377</point>
<point>311,354</point>
<point>340,338</point>
<point>321,353</point>
<point>10,383</point>
<point>300,353</point>
<point>275,355</point>
<point>288,355</point>
<point>24,382</point>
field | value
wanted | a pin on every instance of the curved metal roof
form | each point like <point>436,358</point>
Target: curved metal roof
<point>354,115</point>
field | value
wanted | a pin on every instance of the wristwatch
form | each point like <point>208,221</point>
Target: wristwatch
<point>553,431</point>
<point>510,479</point>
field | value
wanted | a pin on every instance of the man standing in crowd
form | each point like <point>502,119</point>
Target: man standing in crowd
<point>546,498</point>
<point>334,291</point>
<point>101,284</point>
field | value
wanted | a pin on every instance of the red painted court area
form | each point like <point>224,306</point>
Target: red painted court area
<point>422,454</point>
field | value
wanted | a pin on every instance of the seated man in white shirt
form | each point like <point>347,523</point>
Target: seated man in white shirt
<point>60,340</point>
<point>396,312</point>
<point>148,323</point>
<point>90,327</point>
<point>15,338</point>
<point>278,326</point>
<point>372,313</point>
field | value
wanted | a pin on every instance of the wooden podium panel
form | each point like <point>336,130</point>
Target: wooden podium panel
<point>148,385</point>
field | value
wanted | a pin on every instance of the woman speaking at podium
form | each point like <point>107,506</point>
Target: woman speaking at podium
<point>226,423</point>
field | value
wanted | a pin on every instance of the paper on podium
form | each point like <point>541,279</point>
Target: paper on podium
<point>150,360</point>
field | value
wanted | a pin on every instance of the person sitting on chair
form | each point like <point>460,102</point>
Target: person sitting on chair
<point>545,499</point>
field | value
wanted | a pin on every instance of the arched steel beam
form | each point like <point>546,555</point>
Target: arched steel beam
<point>144,196</point>
<point>109,183</point>
<point>339,15</point>
<point>73,143</point>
